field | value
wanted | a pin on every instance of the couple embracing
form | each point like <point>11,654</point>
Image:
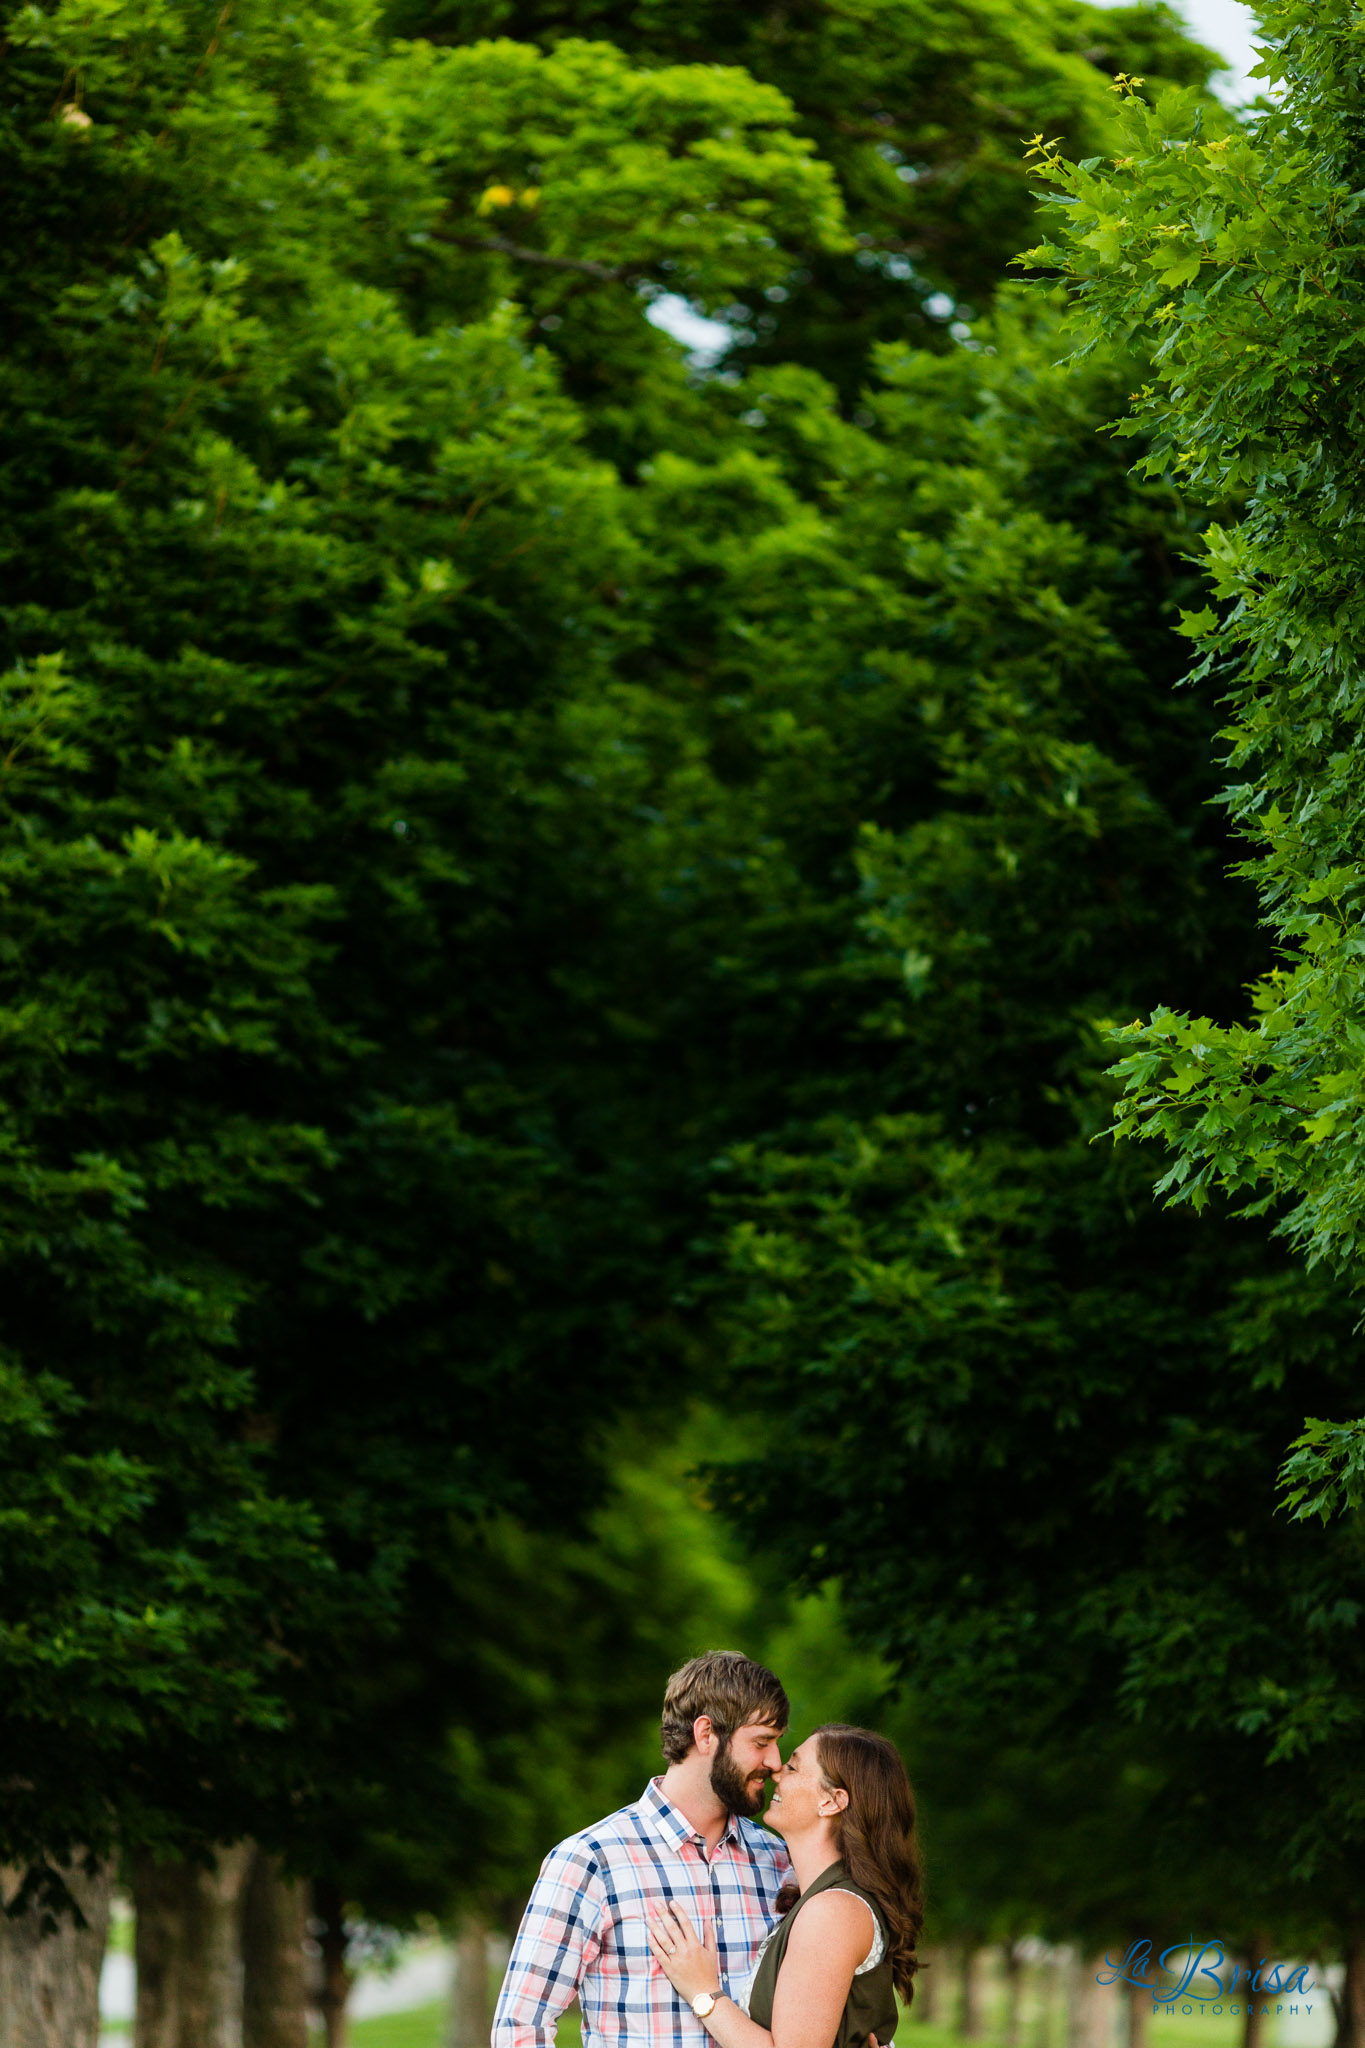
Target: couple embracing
<point>681,1917</point>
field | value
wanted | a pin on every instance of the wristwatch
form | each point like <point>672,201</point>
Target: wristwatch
<point>704,2004</point>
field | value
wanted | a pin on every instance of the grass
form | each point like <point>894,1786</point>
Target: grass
<point>1174,2032</point>
<point>1042,2015</point>
<point>1164,2033</point>
<point>1219,2031</point>
<point>425,2027</point>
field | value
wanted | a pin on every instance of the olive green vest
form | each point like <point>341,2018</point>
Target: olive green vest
<point>871,2004</point>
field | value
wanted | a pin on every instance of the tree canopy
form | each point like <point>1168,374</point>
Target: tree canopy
<point>1243,255</point>
<point>306,572</point>
<point>917,110</point>
<point>1029,1422</point>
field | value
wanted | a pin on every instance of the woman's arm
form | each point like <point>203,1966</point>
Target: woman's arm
<point>831,1937</point>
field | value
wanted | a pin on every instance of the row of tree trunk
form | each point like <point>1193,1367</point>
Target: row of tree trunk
<point>1099,2015</point>
<point>1067,1986</point>
<point>228,1956</point>
<point>222,1958</point>
<point>223,1961</point>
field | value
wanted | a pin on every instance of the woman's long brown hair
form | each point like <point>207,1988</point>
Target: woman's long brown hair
<point>878,1845</point>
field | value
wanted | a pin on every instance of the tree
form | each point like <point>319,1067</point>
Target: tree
<point>149,1559</point>
<point>1028,1422</point>
<point>308,1079</point>
<point>1244,255</point>
<point>917,110</point>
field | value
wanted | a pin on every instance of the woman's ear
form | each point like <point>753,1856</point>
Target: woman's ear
<point>840,1799</point>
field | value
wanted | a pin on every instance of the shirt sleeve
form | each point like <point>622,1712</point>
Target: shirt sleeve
<point>560,1936</point>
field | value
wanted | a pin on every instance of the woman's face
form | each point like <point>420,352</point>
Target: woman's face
<point>798,1790</point>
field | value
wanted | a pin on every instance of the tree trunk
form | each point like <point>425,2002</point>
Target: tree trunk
<point>1090,2021</point>
<point>1253,2018</point>
<point>1048,1987</point>
<point>189,1968</point>
<point>471,2018</point>
<point>329,1910</point>
<point>1139,2003</point>
<point>969,2002</point>
<point>1350,2004</point>
<point>50,1980</point>
<point>1050,1998</point>
<point>927,1978</point>
<point>1014,1994</point>
<point>274,1966</point>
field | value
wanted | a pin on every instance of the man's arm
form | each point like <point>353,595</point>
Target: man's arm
<point>559,1937</point>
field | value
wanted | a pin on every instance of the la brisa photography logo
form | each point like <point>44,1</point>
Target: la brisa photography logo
<point>1198,1979</point>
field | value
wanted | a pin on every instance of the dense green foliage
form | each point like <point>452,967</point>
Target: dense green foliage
<point>916,108</point>
<point>1246,255</point>
<point>1031,1422</point>
<point>145,1551</point>
<point>523,1699</point>
<point>300,1178</point>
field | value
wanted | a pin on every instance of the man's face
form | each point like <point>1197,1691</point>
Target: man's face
<point>742,1766</point>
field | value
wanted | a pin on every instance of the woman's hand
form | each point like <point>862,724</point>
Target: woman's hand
<point>690,1966</point>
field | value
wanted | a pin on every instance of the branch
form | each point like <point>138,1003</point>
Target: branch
<point>500,245</point>
<point>926,238</point>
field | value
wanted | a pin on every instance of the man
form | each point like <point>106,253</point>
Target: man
<point>692,1837</point>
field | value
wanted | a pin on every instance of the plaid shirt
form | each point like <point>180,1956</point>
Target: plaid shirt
<point>583,1932</point>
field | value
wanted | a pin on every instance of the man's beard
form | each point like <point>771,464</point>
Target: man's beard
<point>733,1788</point>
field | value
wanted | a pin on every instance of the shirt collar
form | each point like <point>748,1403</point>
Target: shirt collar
<point>675,1829</point>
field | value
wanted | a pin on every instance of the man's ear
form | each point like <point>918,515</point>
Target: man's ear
<point>704,1735</point>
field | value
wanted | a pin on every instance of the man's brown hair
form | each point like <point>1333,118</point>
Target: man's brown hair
<point>728,1687</point>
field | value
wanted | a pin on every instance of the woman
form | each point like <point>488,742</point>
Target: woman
<point>827,1975</point>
